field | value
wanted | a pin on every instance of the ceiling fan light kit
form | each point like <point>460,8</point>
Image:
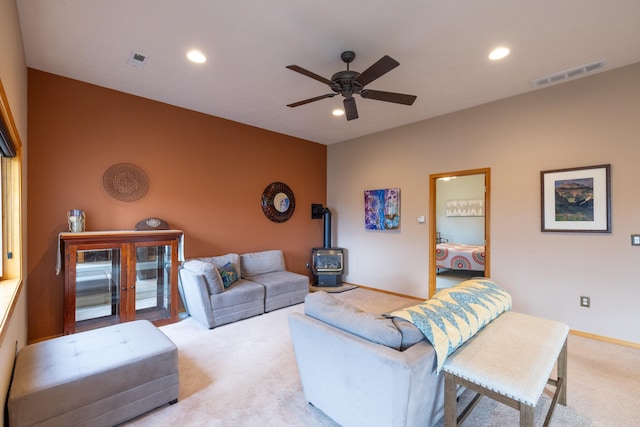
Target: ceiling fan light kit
<point>348,83</point>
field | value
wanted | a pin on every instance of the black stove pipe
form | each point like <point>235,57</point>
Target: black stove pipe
<point>327,228</point>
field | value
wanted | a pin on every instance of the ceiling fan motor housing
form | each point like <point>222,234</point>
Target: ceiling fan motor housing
<point>343,83</point>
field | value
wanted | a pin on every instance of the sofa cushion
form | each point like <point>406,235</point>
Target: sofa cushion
<point>281,282</point>
<point>221,260</point>
<point>373,327</point>
<point>210,273</point>
<point>257,263</point>
<point>229,274</point>
<point>410,333</point>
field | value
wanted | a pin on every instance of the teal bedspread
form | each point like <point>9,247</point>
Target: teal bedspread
<point>456,314</point>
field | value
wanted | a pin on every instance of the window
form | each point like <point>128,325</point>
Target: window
<point>10,198</point>
<point>11,224</point>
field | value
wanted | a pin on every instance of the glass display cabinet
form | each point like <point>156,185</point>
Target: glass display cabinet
<point>119,276</point>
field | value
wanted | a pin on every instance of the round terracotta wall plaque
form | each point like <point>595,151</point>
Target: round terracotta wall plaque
<point>278,202</point>
<point>125,182</point>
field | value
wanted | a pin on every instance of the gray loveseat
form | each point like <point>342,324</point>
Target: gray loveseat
<point>223,289</point>
<point>362,369</point>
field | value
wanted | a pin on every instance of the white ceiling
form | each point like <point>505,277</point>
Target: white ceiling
<point>442,47</point>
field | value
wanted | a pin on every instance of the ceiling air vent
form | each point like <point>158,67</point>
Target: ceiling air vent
<point>568,74</point>
<point>137,59</point>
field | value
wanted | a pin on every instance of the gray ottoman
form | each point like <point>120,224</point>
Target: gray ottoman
<point>100,377</point>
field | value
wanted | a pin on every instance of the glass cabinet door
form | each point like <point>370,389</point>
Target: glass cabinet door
<point>97,288</point>
<point>153,282</point>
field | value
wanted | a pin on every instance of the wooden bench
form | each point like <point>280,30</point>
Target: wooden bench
<point>510,360</point>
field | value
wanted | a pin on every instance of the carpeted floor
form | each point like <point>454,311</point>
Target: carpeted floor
<point>245,374</point>
<point>447,278</point>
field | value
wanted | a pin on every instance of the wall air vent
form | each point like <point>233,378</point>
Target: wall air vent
<point>137,59</point>
<point>573,73</point>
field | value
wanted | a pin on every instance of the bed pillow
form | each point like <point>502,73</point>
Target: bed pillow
<point>370,326</point>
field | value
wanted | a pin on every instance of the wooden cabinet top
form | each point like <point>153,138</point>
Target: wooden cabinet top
<point>119,236</point>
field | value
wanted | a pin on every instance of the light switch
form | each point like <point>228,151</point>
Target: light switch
<point>635,240</point>
<point>421,220</point>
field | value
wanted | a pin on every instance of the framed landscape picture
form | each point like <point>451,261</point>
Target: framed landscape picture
<point>577,199</point>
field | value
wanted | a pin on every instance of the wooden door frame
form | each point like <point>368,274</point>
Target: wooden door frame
<point>432,220</point>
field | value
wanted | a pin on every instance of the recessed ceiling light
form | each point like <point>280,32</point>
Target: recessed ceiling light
<point>338,112</point>
<point>499,53</point>
<point>196,56</point>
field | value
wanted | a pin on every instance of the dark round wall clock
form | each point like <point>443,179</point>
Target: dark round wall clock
<point>278,202</point>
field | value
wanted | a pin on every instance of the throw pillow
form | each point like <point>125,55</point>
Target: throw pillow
<point>229,274</point>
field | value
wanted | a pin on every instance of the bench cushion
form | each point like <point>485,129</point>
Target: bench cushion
<point>514,356</point>
<point>105,374</point>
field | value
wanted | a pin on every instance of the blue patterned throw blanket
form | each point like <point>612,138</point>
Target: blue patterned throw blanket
<point>455,314</point>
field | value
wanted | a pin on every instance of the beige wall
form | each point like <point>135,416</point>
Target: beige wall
<point>590,121</point>
<point>13,73</point>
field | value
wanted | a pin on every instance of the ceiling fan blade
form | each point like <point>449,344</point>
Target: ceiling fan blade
<point>309,74</point>
<point>398,98</point>
<point>383,66</point>
<point>350,109</point>
<point>306,101</point>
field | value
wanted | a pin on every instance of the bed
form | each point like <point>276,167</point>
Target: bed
<point>459,256</point>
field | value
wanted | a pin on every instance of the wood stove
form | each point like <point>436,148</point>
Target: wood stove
<point>327,266</point>
<point>327,263</point>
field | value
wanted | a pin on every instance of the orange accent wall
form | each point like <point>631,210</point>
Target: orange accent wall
<point>206,177</point>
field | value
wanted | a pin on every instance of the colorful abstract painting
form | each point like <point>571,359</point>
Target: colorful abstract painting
<point>382,209</point>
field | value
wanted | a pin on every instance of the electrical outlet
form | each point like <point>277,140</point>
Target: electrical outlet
<point>585,301</point>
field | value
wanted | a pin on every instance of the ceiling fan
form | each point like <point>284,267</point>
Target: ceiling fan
<point>347,83</point>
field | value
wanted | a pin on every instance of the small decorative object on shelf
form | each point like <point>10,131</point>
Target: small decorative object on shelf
<point>152,224</point>
<point>75,217</point>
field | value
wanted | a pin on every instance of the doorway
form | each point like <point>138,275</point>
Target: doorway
<point>462,217</point>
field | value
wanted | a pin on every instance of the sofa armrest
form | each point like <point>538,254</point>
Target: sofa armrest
<point>357,382</point>
<point>196,296</point>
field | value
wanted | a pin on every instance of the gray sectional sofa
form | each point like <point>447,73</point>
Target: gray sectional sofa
<point>223,289</point>
<point>362,369</point>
